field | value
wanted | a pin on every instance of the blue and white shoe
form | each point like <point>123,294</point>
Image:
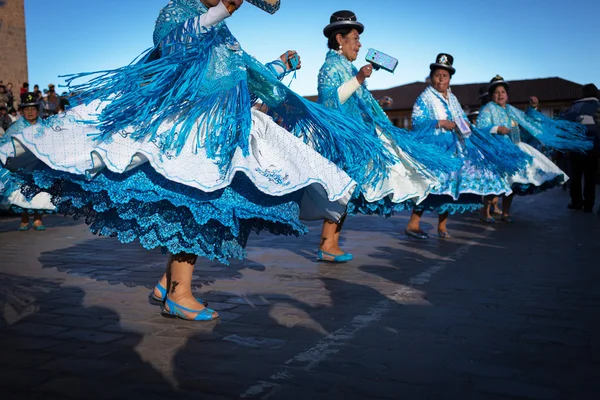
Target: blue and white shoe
<point>417,235</point>
<point>154,299</point>
<point>328,257</point>
<point>176,311</point>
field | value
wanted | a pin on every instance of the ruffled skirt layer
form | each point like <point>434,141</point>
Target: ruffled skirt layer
<point>542,174</point>
<point>184,202</point>
<point>407,183</point>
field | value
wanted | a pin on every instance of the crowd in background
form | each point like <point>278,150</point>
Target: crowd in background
<point>50,102</point>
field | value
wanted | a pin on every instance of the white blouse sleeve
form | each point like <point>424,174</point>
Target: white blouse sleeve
<point>348,89</point>
<point>214,15</point>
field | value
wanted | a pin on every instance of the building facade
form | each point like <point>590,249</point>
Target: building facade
<point>13,44</point>
<point>555,95</point>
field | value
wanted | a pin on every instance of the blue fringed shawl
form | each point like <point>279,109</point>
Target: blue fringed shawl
<point>364,111</point>
<point>559,135</point>
<point>182,86</point>
<point>482,150</point>
<point>7,183</point>
<point>202,75</point>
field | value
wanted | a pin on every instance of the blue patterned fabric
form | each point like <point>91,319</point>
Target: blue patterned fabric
<point>542,174</point>
<point>362,109</point>
<point>203,75</point>
<point>143,205</point>
<point>482,167</point>
<point>17,126</point>
<point>532,188</point>
<point>13,180</point>
<point>479,147</point>
<point>557,134</point>
<point>7,183</point>
<point>174,14</point>
<point>200,81</point>
<point>383,207</point>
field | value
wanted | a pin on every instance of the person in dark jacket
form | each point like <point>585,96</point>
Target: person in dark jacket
<point>5,120</point>
<point>585,165</point>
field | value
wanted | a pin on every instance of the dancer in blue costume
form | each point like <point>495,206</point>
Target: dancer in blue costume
<point>40,203</point>
<point>439,119</point>
<point>343,87</point>
<point>168,150</point>
<point>510,126</point>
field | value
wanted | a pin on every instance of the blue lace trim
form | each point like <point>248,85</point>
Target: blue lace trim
<point>20,210</point>
<point>445,204</point>
<point>523,189</point>
<point>142,205</point>
<point>384,207</point>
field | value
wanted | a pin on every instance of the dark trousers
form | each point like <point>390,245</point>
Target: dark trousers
<point>583,166</point>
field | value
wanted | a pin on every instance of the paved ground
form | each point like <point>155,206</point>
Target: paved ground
<point>502,312</point>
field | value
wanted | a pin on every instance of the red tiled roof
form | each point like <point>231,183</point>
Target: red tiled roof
<point>545,89</point>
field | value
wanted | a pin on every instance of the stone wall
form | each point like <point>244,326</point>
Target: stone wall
<point>13,44</point>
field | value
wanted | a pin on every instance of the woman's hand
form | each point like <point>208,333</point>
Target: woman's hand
<point>447,125</point>
<point>364,73</point>
<point>232,5</point>
<point>288,57</point>
<point>502,130</point>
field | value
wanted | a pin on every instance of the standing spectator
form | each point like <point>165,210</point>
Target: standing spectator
<point>585,165</point>
<point>37,92</point>
<point>52,100</point>
<point>63,102</point>
<point>385,102</point>
<point>5,120</point>
<point>24,91</point>
<point>11,96</point>
<point>3,96</point>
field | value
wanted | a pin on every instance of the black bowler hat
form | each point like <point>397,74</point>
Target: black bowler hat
<point>29,100</point>
<point>474,113</point>
<point>495,82</point>
<point>343,19</point>
<point>590,90</point>
<point>483,92</point>
<point>443,61</point>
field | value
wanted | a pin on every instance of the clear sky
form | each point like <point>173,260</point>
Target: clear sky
<point>518,39</point>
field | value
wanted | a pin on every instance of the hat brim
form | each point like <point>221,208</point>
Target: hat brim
<point>334,26</point>
<point>442,66</point>
<point>25,105</point>
<point>494,85</point>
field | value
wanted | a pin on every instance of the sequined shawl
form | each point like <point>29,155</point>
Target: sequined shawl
<point>364,111</point>
<point>480,148</point>
<point>557,134</point>
<point>206,84</point>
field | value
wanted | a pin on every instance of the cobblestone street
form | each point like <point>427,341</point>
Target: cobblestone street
<point>496,312</point>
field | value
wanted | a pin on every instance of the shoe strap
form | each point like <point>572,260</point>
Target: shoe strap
<point>172,305</point>
<point>162,290</point>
